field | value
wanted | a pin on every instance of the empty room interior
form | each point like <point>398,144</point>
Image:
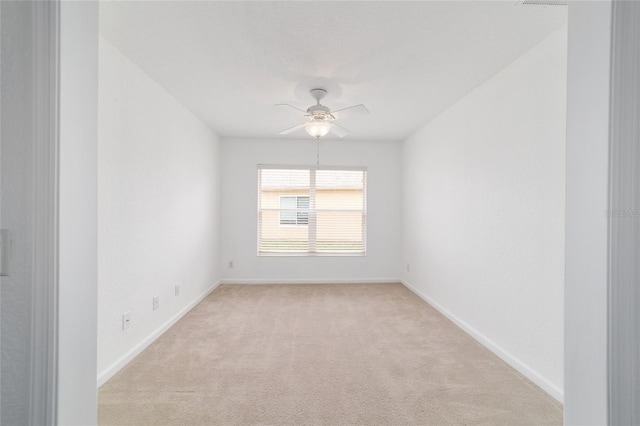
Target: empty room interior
<point>331,212</point>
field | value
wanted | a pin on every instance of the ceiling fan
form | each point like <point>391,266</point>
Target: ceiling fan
<point>320,118</point>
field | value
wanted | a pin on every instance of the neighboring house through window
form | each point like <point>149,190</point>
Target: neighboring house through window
<point>312,211</point>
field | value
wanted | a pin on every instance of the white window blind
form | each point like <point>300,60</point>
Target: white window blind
<point>311,210</point>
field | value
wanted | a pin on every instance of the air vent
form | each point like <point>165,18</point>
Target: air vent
<point>544,2</point>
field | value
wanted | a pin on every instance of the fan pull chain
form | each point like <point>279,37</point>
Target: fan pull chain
<point>317,152</point>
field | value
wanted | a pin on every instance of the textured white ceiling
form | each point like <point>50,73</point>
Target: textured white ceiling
<point>230,62</point>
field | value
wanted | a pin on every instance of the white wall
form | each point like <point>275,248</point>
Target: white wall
<point>239,212</point>
<point>587,201</point>
<point>483,212</point>
<point>158,198</point>
<point>77,292</point>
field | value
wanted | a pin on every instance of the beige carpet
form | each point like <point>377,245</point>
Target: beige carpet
<point>320,354</point>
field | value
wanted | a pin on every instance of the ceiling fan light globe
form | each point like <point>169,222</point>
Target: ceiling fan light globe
<point>317,129</point>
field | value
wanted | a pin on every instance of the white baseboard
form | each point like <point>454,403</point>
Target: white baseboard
<point>514,362</point>
<point>311,281</point>
<point>129,356</point>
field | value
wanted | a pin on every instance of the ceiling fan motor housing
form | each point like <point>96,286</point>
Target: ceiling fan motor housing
<point>319,112</point>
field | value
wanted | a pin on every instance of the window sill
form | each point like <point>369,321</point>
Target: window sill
<point>312,254</point>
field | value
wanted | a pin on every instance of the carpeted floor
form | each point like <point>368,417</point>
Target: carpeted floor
<point>320,354</point>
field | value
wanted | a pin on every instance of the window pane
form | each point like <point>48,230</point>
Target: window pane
<point>340,231</point>
<point>288,202</point>
<point>303,216</point>
<point>287,217</point>
<point>278,224</point>
<point>280,179</point>
<point>302,203</point>
<point>274,238</point>
<point>340,189</point>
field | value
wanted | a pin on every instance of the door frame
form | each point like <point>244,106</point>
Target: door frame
<point>43,393</point>
<point>624,217</point>
<point>45,329</point>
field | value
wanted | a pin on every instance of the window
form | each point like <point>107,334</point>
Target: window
<point>311,211</point>
<point>294,210</point>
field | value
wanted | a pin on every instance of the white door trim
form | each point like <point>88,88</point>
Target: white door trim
<point>624,217</point>
<point>44,338</point>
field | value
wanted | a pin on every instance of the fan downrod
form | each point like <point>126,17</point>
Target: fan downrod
<point>318,94</point>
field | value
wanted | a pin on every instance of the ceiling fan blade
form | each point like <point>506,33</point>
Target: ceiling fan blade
<point>291,106</point>
<point>291,130</point>
<point>349,111</point>
<point>339,131</point>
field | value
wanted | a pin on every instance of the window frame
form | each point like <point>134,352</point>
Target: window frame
<point>310,253</point>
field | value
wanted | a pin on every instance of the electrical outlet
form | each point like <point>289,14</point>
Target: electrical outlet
<point>231,264</point>
<point>178,290</point>
<point>408,267</point>
<point>156,303</point>
<point>126,320</point>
